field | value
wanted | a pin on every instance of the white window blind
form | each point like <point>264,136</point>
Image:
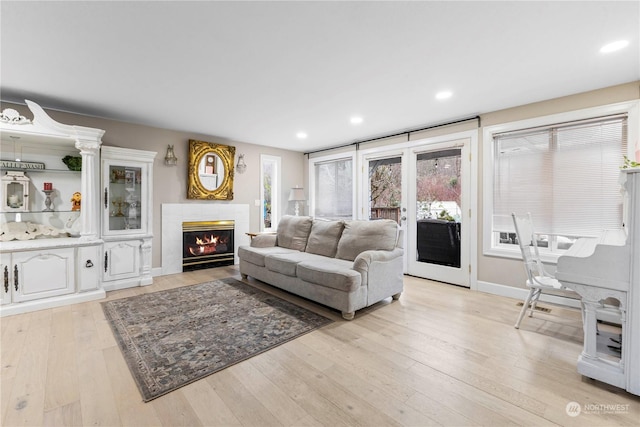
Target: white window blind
<point>566,175</point>
<point>334,189</point>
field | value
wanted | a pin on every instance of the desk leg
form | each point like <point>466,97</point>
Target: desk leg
<point>590,327</point>
<point>590,364</point>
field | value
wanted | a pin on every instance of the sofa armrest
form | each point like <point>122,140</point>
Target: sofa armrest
<point>263,241</point>
<point>382,273</point>
<point>366,258</point>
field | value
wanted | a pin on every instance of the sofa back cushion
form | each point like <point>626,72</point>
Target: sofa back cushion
<point>360,236</point>
<point>293,232</point>
<point>324,237</point>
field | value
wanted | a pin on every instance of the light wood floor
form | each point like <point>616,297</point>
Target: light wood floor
<point>441,355</point>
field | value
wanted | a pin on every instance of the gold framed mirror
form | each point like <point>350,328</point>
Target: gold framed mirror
<point>210,171</point>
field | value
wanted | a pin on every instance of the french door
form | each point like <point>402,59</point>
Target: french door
<point>425,187</point>
<point>439,229</point>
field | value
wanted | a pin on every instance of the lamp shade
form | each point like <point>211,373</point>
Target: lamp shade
<point>297,195</point>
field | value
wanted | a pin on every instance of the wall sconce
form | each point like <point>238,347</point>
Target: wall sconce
<point>241,167</point>
<point>297,195</point>
<point>170,159</point>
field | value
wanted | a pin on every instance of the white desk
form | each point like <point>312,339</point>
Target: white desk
<point>609,267</point>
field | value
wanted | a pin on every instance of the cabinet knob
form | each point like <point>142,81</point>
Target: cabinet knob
<point>15,276</point>
<point>6,279</point>
<point>106,198</point>
<point>88,264</point>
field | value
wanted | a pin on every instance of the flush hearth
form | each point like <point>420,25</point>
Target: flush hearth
<point>207,244</point>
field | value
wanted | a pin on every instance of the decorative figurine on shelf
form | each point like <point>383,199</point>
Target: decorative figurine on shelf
<point>76,200</point>
<point>119,203</point>
<point>15,187</point>
<point>131,203</point>
<point>73,225</point>
<point>47,200</point>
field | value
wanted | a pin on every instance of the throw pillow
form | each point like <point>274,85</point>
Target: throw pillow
<point>324,237</point>
<point>360,236</point>
<point>293,232</point>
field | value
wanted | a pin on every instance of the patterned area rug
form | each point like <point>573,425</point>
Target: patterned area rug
<point>172,338</point>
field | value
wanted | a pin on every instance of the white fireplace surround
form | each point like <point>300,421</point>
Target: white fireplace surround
<point>174,214</point>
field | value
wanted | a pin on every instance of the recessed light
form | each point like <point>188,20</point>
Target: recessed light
<point>355,120</point>
<point>445,94</point>
<point>301,135</point>
<point>612,47</point>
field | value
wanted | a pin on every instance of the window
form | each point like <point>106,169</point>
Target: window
<point>564,174</point>
<point>269,192</point>
<point>332,183</point>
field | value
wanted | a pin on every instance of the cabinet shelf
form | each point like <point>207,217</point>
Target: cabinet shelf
<point>39,212</point>
<point>40,171</point>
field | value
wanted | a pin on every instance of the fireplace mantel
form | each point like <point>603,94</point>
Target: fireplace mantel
<point>174,214</point>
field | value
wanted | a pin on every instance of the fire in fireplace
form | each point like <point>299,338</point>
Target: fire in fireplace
<point>207,244</point>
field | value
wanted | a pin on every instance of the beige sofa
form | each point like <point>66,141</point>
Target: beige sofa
<point>346,265</point>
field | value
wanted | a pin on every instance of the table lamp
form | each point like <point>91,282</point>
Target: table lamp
<point>297,195</point>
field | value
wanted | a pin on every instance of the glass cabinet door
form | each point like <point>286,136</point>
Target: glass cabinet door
<point>123,198</point>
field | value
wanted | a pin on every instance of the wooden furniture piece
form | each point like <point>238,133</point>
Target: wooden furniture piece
<point>538,279</point>
<point>66,238</point>
<point>127,177</point>
<point>258,233</point>
<point>61,266</point>
<point>609,267</point>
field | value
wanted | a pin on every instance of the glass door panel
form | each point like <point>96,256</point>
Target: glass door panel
<point>385,189</point>
<point>124,197</point>
<point>438,200</point>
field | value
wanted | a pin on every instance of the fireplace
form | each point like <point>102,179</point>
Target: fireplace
<point>207,244</point>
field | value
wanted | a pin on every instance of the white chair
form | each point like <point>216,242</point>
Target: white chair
<point>538,279</point>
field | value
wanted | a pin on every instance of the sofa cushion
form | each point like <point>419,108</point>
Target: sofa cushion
<point>293,232</point>
<point>360,236</point>
<point>257,255</point>
<point>324,237</point>
<point>286,263</point>
<point>331,273</point>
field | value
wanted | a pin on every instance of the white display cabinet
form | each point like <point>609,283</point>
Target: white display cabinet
<point>49,222</point>
<point>126,193</point>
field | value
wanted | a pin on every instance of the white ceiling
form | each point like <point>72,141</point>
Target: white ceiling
<point>260,72</point>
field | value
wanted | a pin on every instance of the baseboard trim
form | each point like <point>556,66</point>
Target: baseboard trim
<point>521,294</point>
<point>53,302</point>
